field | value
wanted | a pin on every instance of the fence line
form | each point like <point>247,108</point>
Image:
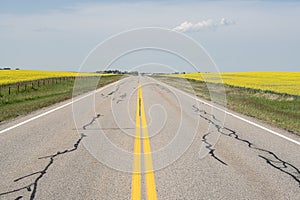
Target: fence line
<point>16,88</point>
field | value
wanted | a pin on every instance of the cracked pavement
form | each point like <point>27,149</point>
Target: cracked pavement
<point>58,156</point>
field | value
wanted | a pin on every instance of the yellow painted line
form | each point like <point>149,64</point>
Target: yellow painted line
<point>149,175</point>
<point>136,171</point>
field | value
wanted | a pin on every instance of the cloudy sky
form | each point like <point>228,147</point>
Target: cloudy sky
<point>239,35</point>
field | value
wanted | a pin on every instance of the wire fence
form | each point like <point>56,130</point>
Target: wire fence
<point>21,87</point>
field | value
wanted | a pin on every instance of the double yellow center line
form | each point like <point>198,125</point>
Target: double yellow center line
<point>141,125</point>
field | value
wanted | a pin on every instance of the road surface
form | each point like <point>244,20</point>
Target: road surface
<point>141,139</point>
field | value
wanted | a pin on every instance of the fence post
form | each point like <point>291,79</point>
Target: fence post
<point>18,87</point>
<point>9,90</point>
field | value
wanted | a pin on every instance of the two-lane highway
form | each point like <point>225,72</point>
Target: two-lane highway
<point>142,139</point>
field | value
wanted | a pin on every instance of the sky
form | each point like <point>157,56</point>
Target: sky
<point>238,35</point>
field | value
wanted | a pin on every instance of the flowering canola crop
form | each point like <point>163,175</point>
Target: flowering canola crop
<point>281,82</point>
<point>14,76</point>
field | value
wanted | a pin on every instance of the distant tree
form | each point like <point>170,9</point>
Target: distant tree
<point>6,68</point>
<point>113,71</point>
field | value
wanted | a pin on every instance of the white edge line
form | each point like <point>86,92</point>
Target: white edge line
<point>234,115</point>
<point>195,98</point>
<point>57,108</point>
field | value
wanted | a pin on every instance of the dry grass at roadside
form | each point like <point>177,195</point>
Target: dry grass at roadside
<point>26,101</point>
<point>281,110</point>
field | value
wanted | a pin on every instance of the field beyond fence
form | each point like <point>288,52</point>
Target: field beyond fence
<point>277,82</point>
<point>27,94</point>
<point>20,81</point>
<point>26,86</point>
<point>279,109</point>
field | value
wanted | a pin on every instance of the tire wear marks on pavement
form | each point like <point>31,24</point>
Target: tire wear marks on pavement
<point>32,187</point>
<point>270,157</point>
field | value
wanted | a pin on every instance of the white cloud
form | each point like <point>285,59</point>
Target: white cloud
<point>204,24</point>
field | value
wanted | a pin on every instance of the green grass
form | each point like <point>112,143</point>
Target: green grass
<point>26,101</point>
<point>281,110</point>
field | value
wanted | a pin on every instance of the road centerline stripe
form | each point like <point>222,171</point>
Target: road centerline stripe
<point>149,172</point>
<point>141,125</point>
<point>136,171</point>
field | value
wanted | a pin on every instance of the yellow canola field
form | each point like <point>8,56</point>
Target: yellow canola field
<point>281,82</point>
<point>14,76</point>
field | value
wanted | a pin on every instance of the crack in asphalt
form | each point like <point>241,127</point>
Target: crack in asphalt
<point>196,109</point>
<point>210,148</point>
<point>270,157</point>
<point>114,91</point>
<point>167,90</point>
<point>91,122</point>
<point>32,187</point>
<point>208,145</point>
<point>121,98</point>
<point>111,93</point>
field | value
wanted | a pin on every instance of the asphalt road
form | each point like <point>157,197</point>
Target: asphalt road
<point>141,139</point>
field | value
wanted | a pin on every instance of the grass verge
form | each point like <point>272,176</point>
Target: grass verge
<point>26,101</point>
<point>281,110</point>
